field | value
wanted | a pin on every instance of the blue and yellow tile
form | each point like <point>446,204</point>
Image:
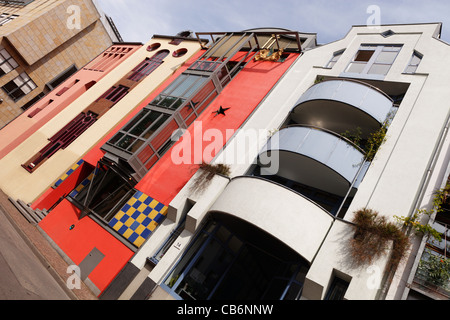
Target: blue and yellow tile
<point>139,218</point>
<point>83,184</point>
<point>68,173</point>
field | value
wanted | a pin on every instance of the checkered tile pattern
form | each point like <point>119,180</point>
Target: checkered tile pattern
<point>83,184</point>
<point>139,218</point>
<point>68,173</point>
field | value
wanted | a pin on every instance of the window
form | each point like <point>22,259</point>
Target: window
<point>179,91</point>
<point>30,103</point>
<point>15,3</point>
<point>388,33</point>
<point>62,77</point>
<point>138,130</point>
<point>222,265</point>
<point>108,58</point>
<point>335,58</point>
<point>115,94</point>
<point>107,191</point>
<point>374,59</point>
<point>19,87</point>
<point>337,289</point>
<point>33,113</point>
<point>153,47</point>
<point>62,139</point>
<point>148,65</point>
<point>414,63</point>
<point>7,18</point>
<point>7,63</point>
<point>176,41</point>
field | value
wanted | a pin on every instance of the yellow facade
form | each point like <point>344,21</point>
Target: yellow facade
<point>20,184</point>
<point>46,38</point>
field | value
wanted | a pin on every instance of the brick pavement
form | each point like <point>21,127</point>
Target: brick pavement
<point>42,248</point>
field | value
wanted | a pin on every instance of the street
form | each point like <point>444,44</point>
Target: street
<point>22,275</point>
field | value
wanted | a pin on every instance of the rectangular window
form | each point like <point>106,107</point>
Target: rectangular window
<point>414,63</point>
<point>337,289</point>
<point>7,63</point>
<point>62,139</point>
<point>114,94</point>
<point>138,130</point>
<point>19,87</point>
<point>179,91</point>
<point>111,55</point>
<point>374,59</point>
<point>30,103</point>
<point>144,69</point>
<point>62,77</point>
<point>6,18</point>
<point>335,58</point>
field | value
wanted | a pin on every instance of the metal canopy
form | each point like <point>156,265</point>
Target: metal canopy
<point>263,39</point>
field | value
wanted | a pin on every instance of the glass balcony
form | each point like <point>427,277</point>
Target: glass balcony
<point>314,157</point>
<point>341,105</point>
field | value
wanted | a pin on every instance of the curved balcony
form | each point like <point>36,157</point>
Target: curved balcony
<point>341,105</point>
<point>313,157</point>
<point>286,215</point>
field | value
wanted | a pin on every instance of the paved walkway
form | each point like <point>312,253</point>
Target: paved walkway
<point>30,268</point>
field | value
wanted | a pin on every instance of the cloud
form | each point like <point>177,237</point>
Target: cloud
<point>138,20</point>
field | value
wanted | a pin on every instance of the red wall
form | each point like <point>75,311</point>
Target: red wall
<point>51,196</point>
<point>242,96</point>
<point>79,242</point>
<point>95,154</point>
<point>165,179</point>
<point>87,234</point>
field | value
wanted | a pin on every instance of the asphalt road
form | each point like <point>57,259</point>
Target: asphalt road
<point>22,275</point>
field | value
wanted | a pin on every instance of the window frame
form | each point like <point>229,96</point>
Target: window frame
<point>26,82</point>
<point>149,65</point>
<point>415,54</point>
<point>335,58</point>
<point>377,49</point>
<point>336,285</point>
<point>7,61</point>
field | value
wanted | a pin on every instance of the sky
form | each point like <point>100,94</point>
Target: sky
<point>139,20</point>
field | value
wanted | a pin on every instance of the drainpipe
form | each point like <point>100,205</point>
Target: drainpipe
<point>435,155</point>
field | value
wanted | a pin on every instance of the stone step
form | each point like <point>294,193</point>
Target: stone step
<point>33,216</point>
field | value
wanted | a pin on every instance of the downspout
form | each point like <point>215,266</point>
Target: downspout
<point>435,155</point>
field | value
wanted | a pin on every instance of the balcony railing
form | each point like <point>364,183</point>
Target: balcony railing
<point>341,105</point>
<point>314,157</point>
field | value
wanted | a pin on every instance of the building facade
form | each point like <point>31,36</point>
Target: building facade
<point>280,224</point>
<point>247,170</point>
<point>43,42</point>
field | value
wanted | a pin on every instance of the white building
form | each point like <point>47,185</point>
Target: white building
<point>286,233</point>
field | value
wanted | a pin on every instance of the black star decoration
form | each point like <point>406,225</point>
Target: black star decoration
<point>221,111</point>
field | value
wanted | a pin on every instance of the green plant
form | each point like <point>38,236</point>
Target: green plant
<point>436,269</point>
<point>373,233</point>
<point>414,222</point>
<point>319,79</point>
<point>354,136</point>
<point>374,142</point>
